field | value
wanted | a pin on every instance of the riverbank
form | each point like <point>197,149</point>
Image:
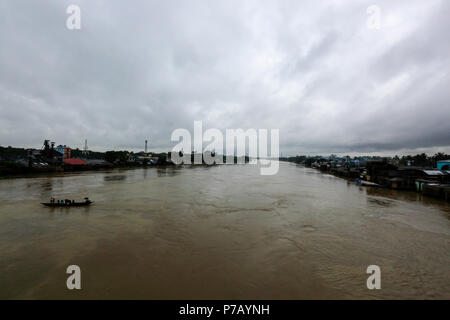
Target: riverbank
<point>50,160</point>
<point>412,181</point>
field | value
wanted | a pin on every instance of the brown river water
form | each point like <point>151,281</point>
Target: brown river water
<point>222,232</point>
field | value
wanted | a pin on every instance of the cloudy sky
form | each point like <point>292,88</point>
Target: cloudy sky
<point>316,70</point>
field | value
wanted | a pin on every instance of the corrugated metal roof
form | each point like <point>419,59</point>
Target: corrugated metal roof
<point>433,172</point>
<point>75,162</point>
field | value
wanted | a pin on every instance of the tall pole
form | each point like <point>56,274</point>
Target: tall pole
<point>145,146</point>
<point>85,151</point>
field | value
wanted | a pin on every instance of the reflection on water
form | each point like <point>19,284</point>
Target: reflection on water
<point>220,232</point>
<point>380,202</point>
<point>120,177</point>
<point>167,172</point>
<point>390,194</point>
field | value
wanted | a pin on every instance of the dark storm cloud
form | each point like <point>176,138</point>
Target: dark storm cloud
<point>138,70</point>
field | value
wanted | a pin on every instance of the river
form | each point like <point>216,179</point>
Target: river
<point>222,232</point>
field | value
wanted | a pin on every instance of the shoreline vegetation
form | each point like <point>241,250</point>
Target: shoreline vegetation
<point>422,160</point>
<point>20,162</point>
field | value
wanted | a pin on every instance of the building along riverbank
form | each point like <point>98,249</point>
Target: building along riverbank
<point>386,173</point>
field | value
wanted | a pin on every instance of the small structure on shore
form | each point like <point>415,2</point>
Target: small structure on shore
<point>74,162</point>
<point>443,165</point>
<point>64,150</point>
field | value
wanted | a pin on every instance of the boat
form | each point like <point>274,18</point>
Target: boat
<point>367,183</point>
<point>86,202</point>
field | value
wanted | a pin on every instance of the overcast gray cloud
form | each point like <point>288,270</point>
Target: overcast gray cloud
<point>140,69</point>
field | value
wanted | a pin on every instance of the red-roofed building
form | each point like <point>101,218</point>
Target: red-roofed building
<point>74,162</point>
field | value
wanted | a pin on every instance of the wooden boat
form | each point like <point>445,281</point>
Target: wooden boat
<point>366,183</point>
<point>68,204</point>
